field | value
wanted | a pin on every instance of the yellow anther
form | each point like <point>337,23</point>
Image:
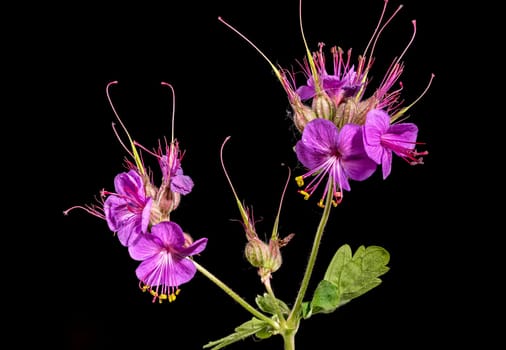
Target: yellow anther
<point>300,181</point>
<point>305,194</point>
<point>320,204</point>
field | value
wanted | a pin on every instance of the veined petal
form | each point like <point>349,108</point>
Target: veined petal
<point>320,135</point>
<point>305,92</point>
<point>182,184</point>
<point>165,270</point>
<point>355,162</point>
<point>170,233</point>
<point>146,247</point>
<point>386,164</point>
<point>319,141</point>
<point>129,184</point>
<point>196,247</point>
<point>115,209</point>
<point>403,134</point>
<point>376,124</point>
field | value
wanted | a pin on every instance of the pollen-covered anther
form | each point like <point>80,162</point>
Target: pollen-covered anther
<point>305,194</point>
<point>417,157</point>
<point>300,181</point>
<point>162,297</point>
<point>338,198</point>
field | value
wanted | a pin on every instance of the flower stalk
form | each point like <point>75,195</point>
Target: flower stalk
<point>295,314</point>
<point>235,296</point>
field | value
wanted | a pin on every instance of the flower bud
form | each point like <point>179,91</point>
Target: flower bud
<point>302,115</point>
<point>323,106</point>
<point>256,252</point>
<point>266,257</point>
<point>351,112</point>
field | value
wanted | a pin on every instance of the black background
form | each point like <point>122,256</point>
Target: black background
<point>225,88</point>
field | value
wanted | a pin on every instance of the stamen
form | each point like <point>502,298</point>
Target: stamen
<point>90,209</point>
<point>300,181</point>
<point>305,194</point>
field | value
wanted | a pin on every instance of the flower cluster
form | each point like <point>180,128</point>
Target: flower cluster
<point>139,213</point>
<point>347,133</point>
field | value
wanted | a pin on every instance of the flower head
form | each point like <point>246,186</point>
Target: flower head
<point>382,139</point>
<point>165,259</point>
<point>332,156</point>
<point>138,201</point>
<point>335,103</point>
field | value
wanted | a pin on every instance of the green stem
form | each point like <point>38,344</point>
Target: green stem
<point>294,316</point>
<point>281,317</point>
<point>236,297</point>
<point>289,340</point>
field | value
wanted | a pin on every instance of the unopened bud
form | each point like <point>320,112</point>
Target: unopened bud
<point>302,115</point>
<point>266,257</point>
<point>256,252</point>
<point>323,106</point>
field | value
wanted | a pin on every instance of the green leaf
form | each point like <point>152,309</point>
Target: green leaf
<point>306,310</point>
<point>256,327</point>
<point>325,299</point>
<point>267,303</point>
<point>357,274</point>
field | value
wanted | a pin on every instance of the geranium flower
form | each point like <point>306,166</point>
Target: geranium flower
<point>332,156</point>
<point>165,264</point>
<point>343,83</point>
<point>172,172</point>
<point>382,139</point>
<point>127,211</point>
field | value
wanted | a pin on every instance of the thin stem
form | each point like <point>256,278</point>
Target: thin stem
<point>236,297</point>
<point>294,317</point>
<point>281,317</point>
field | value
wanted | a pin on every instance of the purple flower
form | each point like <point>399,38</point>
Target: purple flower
<point>332,156</point>
<point>344,82</point>
<point>170,164</point>
<point>127,211</point>
<point>165,264</point>
<point>381,139</point>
